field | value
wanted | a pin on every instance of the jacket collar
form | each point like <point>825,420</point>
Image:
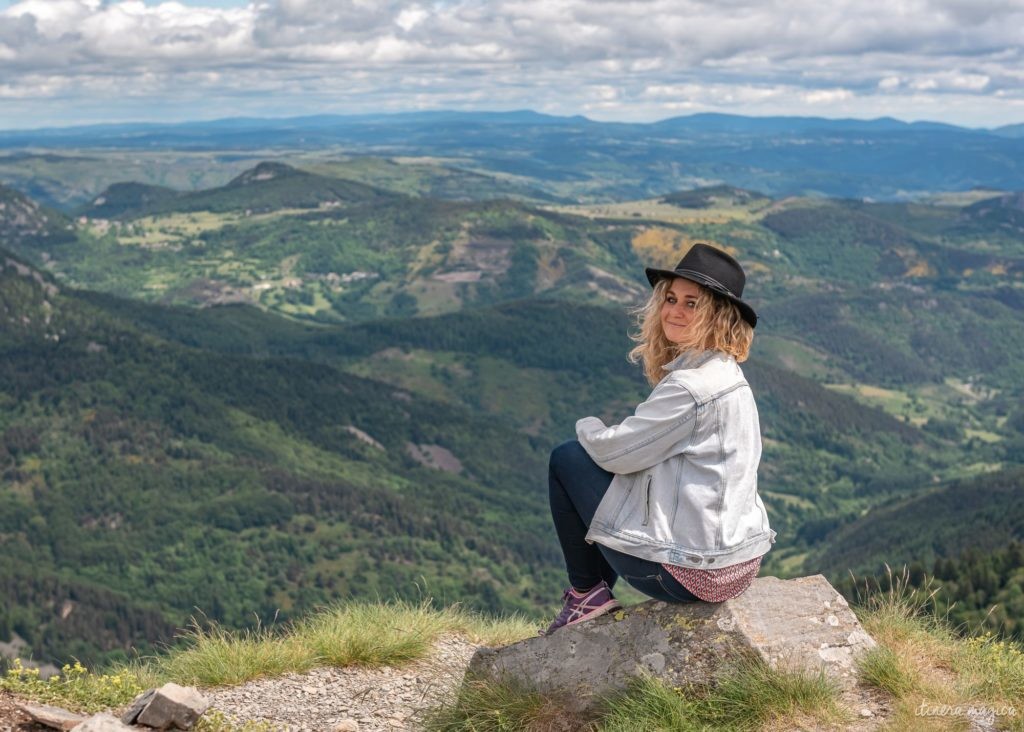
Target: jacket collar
<point>690,360</point>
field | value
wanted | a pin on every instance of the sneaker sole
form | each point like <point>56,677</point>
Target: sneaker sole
<point>597,612</point>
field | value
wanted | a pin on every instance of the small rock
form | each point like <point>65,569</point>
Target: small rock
<point>171,707</point>
<point>346,725</point>
<point>54,717</point>
<point>865,712</point>
<point>136,707</point>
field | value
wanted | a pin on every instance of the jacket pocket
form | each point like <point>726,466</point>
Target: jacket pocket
<point>647,501</point>
<point>624,502</point>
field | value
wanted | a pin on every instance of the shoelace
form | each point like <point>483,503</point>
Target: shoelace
<point>566,607</point>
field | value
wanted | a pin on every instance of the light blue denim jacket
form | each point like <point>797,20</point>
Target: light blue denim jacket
<point>685,489</point>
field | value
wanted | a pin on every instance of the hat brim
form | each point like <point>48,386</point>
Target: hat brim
<point>656,275</point>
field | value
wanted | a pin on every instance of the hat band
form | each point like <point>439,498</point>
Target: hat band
<point>704,279</point>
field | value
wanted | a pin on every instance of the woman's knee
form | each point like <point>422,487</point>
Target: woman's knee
<point>566,455</point>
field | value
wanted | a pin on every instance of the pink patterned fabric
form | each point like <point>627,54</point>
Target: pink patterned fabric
<point>716,585</point>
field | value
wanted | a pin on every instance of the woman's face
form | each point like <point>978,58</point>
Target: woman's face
<point>678,308</point>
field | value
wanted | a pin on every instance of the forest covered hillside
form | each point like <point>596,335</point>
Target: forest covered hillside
<point>144,480</point>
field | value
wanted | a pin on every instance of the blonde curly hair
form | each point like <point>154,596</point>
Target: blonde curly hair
<point>717,325</point>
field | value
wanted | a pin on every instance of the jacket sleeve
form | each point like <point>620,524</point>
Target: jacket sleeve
<point>660,427</point>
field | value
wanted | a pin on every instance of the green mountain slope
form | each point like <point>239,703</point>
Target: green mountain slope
<point>267,187</point>
<point>982,513</point>
<point>151,457</point>
<point>386,256</point>
<point>539,365</point>
<point>964,541</point>
<point>178,479</point>
<point>266,239</point>
<point>426,178</point>
<point>126,199</point>
<point>24,223</point>
<point>68,180</point>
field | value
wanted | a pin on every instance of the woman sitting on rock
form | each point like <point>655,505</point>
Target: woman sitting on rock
<point>668,499</point>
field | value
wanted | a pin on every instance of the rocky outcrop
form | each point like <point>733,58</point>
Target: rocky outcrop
<point>790,624</point>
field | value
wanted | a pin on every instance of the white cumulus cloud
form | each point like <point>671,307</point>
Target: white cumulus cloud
<point>638,59</point>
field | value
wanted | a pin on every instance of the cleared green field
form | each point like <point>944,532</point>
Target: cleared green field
<point>654,210</point>
<point>182,226</point>
<point>792,355</point>
<point>917,407</point>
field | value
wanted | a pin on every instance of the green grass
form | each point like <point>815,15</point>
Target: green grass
<point>75,687</point>
<point>993,669</point>
<point>214,656</point>
<point>368,634</point>
<point>754,695</point>
<point>482,705</point>
<point>372,634</point>
<point>933,674</point>
<point>217,721</point>
<point>790,354</point>
<point>882,668</point>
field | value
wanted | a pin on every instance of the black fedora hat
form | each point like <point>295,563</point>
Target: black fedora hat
<point>715,270</point>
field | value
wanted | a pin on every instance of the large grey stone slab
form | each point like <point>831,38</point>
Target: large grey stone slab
<point>54,717</point>
<point>790,624</point>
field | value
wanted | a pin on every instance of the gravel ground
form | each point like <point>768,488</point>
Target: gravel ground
<point>380,699</point>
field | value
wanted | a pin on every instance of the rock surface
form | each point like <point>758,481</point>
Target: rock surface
<point>103,723</point>
<point>54,717</point>
<point>790,624</point>
<point>136,707</point>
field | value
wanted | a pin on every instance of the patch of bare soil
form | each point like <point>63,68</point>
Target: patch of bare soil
<point>13,720</point>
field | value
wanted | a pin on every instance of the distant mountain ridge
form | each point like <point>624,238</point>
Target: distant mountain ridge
<point>879,159</point>
<point>266,187</point>
<point>711,122</point>
<point>700,120</point>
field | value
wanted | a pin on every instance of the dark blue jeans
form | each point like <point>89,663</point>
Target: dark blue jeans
<point>576,485</point>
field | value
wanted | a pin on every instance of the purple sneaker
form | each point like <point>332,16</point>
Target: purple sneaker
<point>596,601</point>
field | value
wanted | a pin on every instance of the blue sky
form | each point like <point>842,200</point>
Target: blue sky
<point>66,62</point>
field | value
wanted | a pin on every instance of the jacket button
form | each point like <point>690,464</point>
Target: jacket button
<point>711,560</point>
<point>694,559</point>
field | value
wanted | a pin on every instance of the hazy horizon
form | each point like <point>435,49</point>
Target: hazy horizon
<point>482,111</point>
